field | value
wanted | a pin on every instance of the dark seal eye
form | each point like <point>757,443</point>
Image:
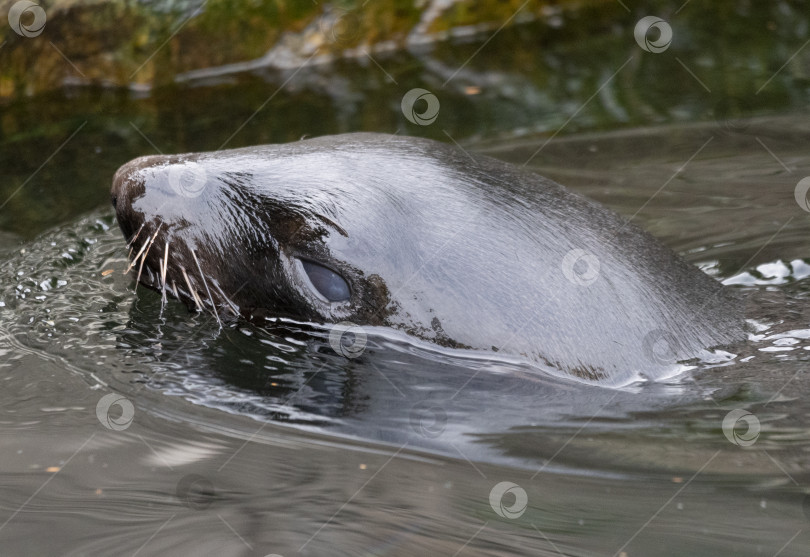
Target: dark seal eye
<point>328,283</point>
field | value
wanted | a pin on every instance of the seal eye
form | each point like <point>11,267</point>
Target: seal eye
<point>328,283</point>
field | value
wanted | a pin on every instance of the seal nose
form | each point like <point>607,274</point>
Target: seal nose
<point>124,175</point>
<point>126,183</point>
<point>126,186</point>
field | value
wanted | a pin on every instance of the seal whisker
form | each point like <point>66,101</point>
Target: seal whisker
<point>205,283</point>
<point>140,268</point>
<point>163,270</point>
<point>191,290</point>
<point>174,290</point>
<point>230,304</point>
<point>129,258</point>
<point>135,237</point>
<point>143,258</point>
<point>135,261</point>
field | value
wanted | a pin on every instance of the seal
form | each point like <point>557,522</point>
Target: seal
<point>410,234</point>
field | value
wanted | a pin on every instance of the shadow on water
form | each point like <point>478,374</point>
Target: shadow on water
<point>247,440</point>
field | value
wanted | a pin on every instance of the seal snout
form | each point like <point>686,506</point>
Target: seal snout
<point>127,185</point>
<point>125,177</point>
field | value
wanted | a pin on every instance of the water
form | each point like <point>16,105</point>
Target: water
<point>253,440</point>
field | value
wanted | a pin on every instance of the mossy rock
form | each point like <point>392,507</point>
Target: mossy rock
<point>125,43</point>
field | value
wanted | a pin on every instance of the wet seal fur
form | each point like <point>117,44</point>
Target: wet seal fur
<point>462,251</point>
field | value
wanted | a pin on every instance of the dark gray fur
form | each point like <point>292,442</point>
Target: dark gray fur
<point>463,251</point>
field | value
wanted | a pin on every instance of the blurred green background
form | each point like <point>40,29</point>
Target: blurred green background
<point>109,80</point>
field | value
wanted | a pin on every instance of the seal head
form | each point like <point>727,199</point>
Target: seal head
<point>462,251</point>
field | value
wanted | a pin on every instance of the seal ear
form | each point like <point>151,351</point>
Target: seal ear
<point>326,282</point>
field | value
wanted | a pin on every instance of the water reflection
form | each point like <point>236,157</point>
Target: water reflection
<point>530,79</point>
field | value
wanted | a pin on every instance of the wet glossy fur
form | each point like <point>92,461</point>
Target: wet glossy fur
<point>463,251</point>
